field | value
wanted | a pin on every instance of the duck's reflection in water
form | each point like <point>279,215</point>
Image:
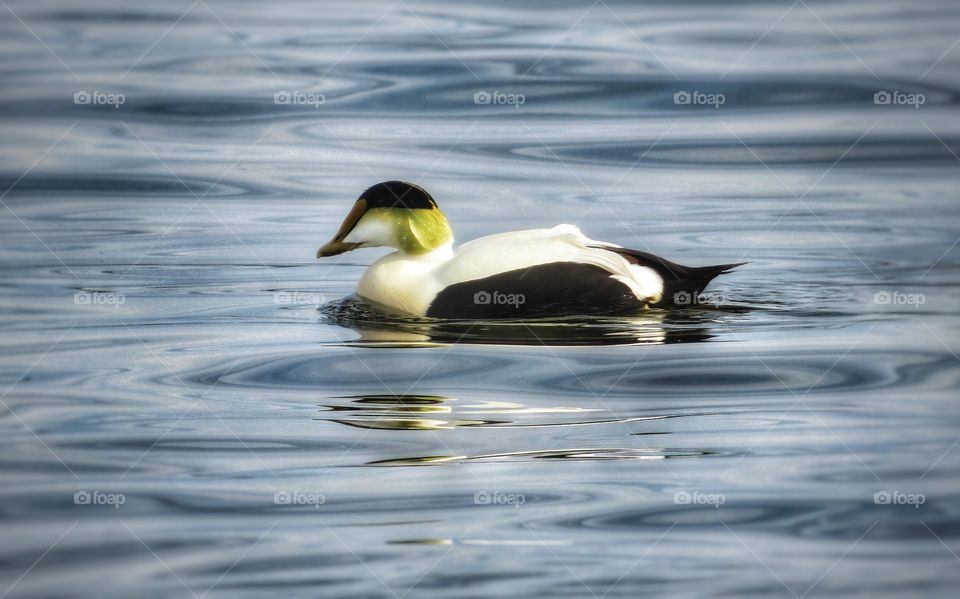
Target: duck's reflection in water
<point>649,327</point>
<point>572,454</point>
<point>434,412</point>
<point>438,413</point>
<point>402,412</point>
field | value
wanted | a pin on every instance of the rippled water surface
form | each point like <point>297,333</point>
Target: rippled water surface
<point>193,405</point>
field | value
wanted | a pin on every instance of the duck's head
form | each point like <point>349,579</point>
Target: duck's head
<point>392,214</point>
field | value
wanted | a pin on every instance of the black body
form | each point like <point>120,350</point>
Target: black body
<point>569,288</point>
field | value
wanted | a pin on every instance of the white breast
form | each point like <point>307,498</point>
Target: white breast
<point>404,283</point>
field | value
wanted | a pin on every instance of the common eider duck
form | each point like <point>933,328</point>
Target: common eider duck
<point>520,274</point>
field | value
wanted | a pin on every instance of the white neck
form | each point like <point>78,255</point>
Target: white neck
<point>440,254</point>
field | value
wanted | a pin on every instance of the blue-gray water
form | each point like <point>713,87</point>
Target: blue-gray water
<point>169,344</point>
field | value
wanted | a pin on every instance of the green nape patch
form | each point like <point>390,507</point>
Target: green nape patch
<point>418,230</point>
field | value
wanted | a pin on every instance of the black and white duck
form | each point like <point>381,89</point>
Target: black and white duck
<point>519,274</point>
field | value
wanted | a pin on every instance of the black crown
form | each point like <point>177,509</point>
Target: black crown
<point>398,194</point>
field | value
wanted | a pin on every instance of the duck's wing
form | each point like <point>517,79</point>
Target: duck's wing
<point>540,271</point>
<point>497,254</point>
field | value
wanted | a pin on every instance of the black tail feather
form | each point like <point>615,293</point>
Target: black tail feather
<point>694,281</point>
<point>681,284</point>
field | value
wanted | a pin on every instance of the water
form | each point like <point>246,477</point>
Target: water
<point>192,405</point>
